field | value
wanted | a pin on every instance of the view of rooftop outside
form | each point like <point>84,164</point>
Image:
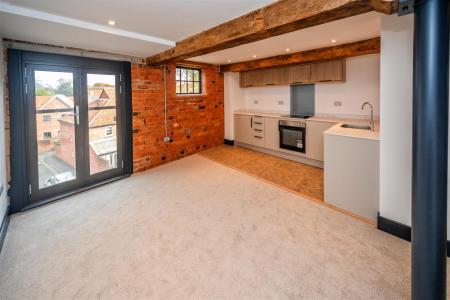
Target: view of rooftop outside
<point>54,99</point>
<point>55,126</point>
<point>102,122</point>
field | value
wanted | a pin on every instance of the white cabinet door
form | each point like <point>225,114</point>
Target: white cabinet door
<point>314,138</point>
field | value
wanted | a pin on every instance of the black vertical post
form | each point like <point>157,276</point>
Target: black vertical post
<point>430,137</point>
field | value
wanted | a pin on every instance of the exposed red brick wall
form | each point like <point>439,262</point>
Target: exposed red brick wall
<point>196,122</point>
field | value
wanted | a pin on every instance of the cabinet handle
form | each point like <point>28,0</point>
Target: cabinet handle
<point>257,129</point>
<point>251,122</point>
<point>258,137</point>
<point>259,123</point>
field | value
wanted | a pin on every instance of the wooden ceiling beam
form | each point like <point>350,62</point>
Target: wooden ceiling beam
<point>281,17</point>
<point>365,47</point>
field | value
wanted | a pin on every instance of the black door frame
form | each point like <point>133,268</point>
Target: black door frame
<point>19,165</point>
<point>31,128</point>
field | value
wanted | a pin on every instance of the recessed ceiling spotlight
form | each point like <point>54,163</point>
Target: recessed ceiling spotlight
<point>333,41</point>
<point>229,60</point>
<point>287,49</point>
<point>112,22</point>
<point>254,55</point>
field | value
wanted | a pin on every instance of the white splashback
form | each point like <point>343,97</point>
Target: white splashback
<point>274,98</point>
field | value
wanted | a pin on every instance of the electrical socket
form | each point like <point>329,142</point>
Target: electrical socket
<point>255,101</point>
<point>280,102</point>
<point>337,103</point>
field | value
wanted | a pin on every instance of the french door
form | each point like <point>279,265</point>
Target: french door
<point>75,132</point>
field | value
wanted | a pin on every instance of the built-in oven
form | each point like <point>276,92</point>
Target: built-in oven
<point>292,135</point>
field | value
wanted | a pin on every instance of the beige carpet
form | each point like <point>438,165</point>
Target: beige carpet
<point>194,229</point>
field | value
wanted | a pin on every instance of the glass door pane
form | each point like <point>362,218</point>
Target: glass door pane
<point>102,119</point>
<point>55,127</point>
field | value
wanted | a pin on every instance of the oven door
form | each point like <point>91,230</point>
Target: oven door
<point>292,138</point>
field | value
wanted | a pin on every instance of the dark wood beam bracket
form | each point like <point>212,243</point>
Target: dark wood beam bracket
<point>281,17</point>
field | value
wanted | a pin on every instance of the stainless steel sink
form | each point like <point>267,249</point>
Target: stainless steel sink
<point>354,126</point>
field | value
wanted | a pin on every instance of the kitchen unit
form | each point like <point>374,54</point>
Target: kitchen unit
<point>261,131</point>
<point>351,170</point>
<point>347,150</point>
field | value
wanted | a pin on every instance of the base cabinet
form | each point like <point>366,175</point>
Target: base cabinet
<point>242,128</point>
<point>249,130</point>
<point>314,138</point>
<point>264,132</point>
<point>272,134</point>
<point>351,179</point>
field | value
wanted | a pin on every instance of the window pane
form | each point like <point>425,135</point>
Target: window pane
<point>190,87</point>
<point>183,87</point>
<point>188,81</point>
<point>196,75</point>
<point>102,122</point>
<point>55,130</point>
<point>196,87</point>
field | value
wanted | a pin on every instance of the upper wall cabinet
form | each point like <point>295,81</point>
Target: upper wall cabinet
<point>328,71</point>
<point>296,74</point>
<point>265,77</point>
<point>300,73</point>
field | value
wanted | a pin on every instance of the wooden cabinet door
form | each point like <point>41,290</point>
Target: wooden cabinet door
<point>314,138</point>
<point>251,78</point>
<point>300,73</point>
<point>264,77</point>
<point>272,133</point>
<point>275,76</point>
<point>243,131</point>
<point>328,71</point>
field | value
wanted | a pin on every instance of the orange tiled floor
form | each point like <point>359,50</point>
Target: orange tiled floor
<point>300,178</point>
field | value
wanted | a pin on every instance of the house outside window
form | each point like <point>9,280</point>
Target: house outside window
<point>188,81</point>
<point>46,118</point>
<point>47,135</point>
<point>108,131</point>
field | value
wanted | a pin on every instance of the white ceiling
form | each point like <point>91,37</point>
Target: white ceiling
<point>347,30</point>
<point>143,27</point>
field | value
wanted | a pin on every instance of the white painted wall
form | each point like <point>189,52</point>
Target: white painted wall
<point>267,98</point>
<point>396,90</point>
<point>3,198</point>
<point>232,100</point>
<point>362,84</point>
<point>396,117</point>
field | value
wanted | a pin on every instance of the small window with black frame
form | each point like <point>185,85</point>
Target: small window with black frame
<point>188,81</point>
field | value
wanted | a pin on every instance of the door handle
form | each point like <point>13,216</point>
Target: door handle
<point>76,115</point>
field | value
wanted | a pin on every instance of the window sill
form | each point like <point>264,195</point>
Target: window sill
<point>191,95</point>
